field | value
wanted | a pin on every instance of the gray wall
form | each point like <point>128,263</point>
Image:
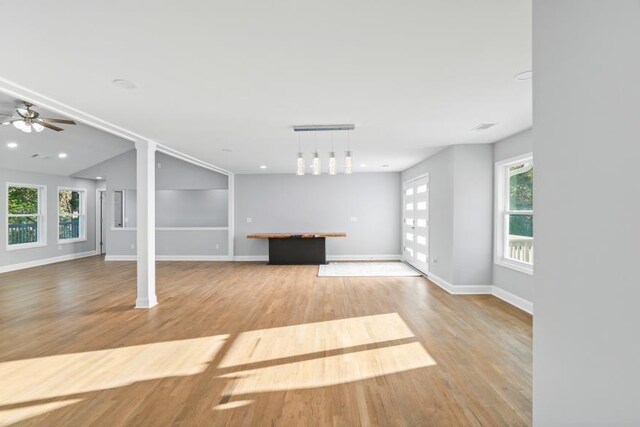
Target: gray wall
<point>192,208</point>
<point>473,214</point>
<point>586,349</point>
<point>52,182</point>
<point>516,282</point>
<point>171,174</point>
<point>290,203</point>
<point>460,213</point>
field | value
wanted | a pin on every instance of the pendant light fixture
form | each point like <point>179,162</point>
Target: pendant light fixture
<point>348,163</point>
<point>300,162</point>
<point>316,159</point>
<point>332,159</point>
<point>316,168</point>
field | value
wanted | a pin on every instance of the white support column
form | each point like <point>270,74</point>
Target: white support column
<point>231,217</point>
<point>146,223</point>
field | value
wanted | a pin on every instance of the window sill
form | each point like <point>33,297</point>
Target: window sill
<point>25,246</point>
<point>66,241</point>
<point>515,265</point>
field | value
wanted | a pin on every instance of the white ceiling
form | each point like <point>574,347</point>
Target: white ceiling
<point>84,145</point>
<point>413,76</point>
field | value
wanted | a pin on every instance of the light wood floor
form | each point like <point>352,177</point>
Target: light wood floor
<point>250,344</point>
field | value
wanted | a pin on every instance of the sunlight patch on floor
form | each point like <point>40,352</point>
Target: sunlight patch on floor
<point>277,343</point>
<point>232,405</point>
<point>14,415</point>
<point>327,371</point>
<point>69,374</point>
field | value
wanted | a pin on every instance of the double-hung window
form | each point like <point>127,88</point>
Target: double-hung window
<point>72,215</point>
<point>514,213</point>
<point>26,225</point>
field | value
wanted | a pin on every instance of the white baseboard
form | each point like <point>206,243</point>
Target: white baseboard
<point>146,302</point>
<point>513,299</point>
<point>119,257</point>
<point>45,261</point>
<point>263,258</point>
<point>364,257</point>
<point>459,290</point>
<point>171,258</point>
<point>193,258</point>
<point>497,292</point>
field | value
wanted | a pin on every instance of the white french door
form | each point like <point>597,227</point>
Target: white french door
<point>415,223</point>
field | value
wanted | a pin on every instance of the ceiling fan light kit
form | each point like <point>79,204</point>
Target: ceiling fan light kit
<point>27,119</point>
<point>316,162</point>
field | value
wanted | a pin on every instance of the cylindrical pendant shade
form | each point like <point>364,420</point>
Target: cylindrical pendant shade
<point>316,164</point>
<point>348,167</point>
<point>300,165</point>
<point>333,168</point>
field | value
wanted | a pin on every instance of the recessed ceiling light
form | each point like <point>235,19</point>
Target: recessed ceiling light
<point>123,83</point>
<point>263,166</point>
<point>227,150</point>
<point>363,165</point>
<point>12,144</point>
<point>62,155</point>
<point>523,76</point>
<point>98,177</point>
<point>385,166</point>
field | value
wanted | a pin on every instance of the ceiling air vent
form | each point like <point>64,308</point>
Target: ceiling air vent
<point>483,126</point>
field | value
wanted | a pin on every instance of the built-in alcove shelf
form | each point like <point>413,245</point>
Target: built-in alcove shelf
<point>176,210</point>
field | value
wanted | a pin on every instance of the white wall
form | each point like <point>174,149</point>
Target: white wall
<point>171,174</point>
<point>512,281</point>
<point>290,203</point>
<point>460,214</point>
<point>586,349</point>
<point>52,249</point>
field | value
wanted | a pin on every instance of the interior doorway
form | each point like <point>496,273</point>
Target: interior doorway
<point>415,223</point>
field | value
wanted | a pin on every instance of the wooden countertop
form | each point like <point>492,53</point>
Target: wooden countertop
<point>294,235</point>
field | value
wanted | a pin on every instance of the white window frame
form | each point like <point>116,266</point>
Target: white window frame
<point>502,214</point>
<point>42,217</point>
<point>82,216</point>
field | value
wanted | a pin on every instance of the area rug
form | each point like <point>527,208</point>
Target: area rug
<point>366,269</point>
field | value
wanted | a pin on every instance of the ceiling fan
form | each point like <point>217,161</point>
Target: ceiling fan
<point>27,119</point>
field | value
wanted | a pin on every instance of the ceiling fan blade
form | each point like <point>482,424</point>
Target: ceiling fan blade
<point>6,122</point>
<point>63,121</point>
<point>49,125</point>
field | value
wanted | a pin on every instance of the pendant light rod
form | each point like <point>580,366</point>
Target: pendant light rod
<point>317,128</point>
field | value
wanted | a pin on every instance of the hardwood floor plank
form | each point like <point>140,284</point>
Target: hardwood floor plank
<point>292,349</point>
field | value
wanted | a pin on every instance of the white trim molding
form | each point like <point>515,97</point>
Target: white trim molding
<point>190,159</point>
<point>45,261</point>
<point>513,299</point>
<point>82,216</point>
<point>397,257</point>
<point>495,291</point>
<point>171,258</point>
<point>42,217</point>
<point>192,258</point>
<point>265,258</point>
<point>460,290</point>
<point>502,212</point>
<point>250,258</point>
